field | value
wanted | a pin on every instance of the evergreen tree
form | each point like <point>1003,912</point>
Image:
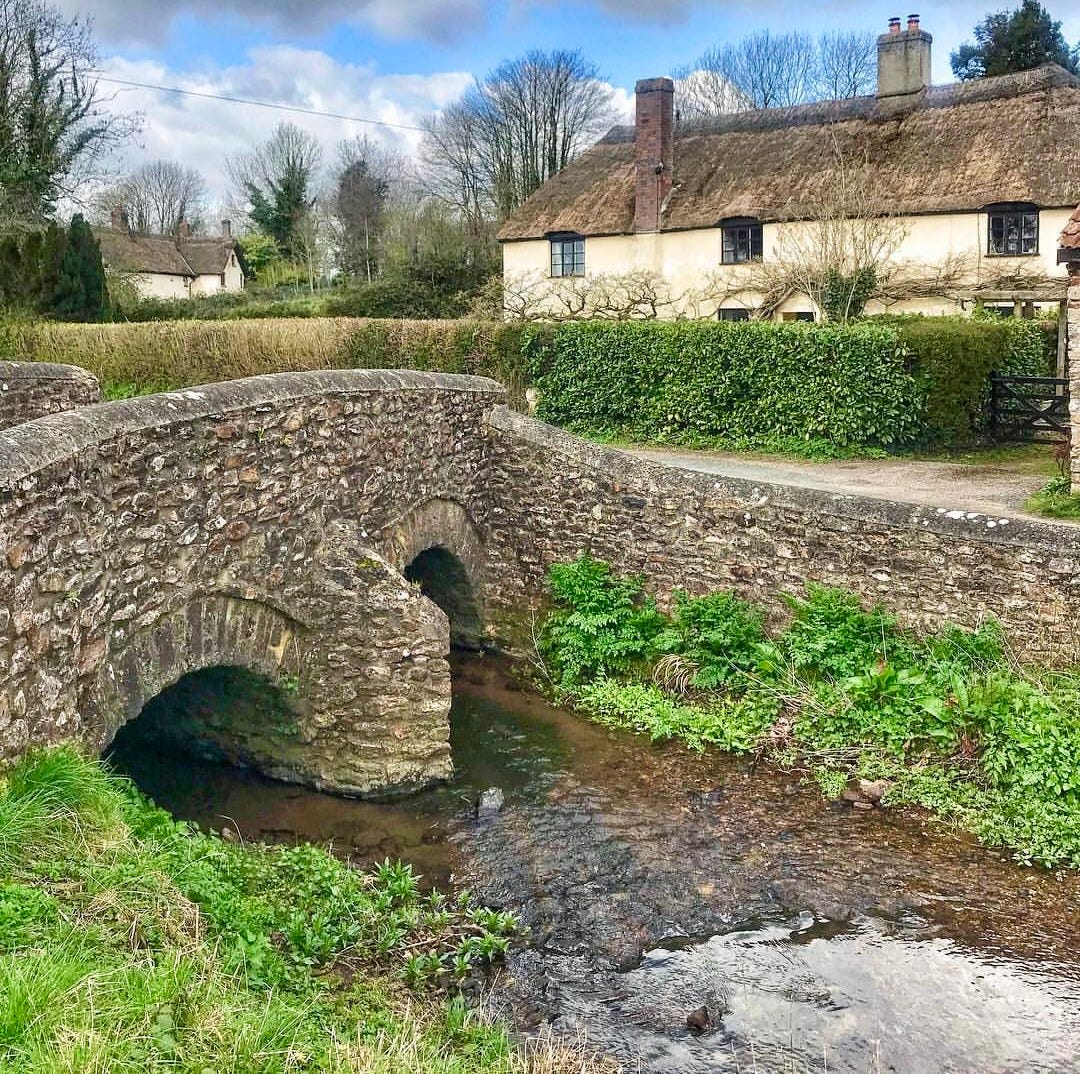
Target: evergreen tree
<point>80,293</point>
<point>11,273</point>
<point>1019,40</point>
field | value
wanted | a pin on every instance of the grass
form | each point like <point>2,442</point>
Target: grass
<point>949,722</point>
<point>139,358</point>
<point>130,943</point>
<point>1055,500</point>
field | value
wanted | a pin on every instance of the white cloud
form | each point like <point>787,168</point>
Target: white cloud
<point>204,133</point>
<point>433,20</point>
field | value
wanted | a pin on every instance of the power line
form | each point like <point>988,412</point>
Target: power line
<point>256,104</point>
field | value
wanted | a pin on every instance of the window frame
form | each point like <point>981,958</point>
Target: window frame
<point>741,314</point>
<point>731,243</point>
<point>1007,212</point>
<point>559,241</point>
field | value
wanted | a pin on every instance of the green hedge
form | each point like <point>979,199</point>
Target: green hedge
<point>750,382</point>
<point>953,358</point>
<point>886,382</point>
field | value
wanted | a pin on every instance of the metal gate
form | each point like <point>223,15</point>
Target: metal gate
<point>1029,408</point>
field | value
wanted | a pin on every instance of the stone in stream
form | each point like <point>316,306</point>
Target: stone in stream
<point>698,1021</point>
<point>491,803</point>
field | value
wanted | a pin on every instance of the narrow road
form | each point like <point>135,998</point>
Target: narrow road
<point>990,488</point>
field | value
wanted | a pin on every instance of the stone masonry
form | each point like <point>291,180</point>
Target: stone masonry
<point>255,524</point>
<point>269,523</point>
<point>30,390</point>
<point>1072,350</point>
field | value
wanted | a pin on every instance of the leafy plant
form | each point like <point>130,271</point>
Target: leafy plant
<point>601,623</point>
<point>719,634</point>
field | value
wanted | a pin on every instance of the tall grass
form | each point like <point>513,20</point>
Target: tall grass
<point>133,359</point>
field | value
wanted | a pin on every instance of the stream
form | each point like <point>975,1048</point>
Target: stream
<point>797,935</point>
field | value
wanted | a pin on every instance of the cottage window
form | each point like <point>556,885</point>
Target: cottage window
<point>567,255</point>
<point>1012,230</point>
<point>742,240</point>
<point>735,313</point>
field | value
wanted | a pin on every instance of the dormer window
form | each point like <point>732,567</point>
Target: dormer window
<point>567,254</point>
<point>1012,230</point>
<point>742,240</point>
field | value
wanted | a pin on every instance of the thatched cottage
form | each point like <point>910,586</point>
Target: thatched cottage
<point>952,195</point>
<point>167,266</point>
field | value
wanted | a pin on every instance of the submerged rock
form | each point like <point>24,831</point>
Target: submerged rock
<point>491,802</point>
<point>698,1021</point>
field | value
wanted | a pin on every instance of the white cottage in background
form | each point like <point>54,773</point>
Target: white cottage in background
<point>973,181</point>
<point>166,266</point>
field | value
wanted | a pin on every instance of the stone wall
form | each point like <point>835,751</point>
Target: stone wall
<point>555,497</point>
<point>1072,351</point>
<point>261,523</point>
<point>30,390</point>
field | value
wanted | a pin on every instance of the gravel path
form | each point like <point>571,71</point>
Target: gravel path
<point>991,488</point>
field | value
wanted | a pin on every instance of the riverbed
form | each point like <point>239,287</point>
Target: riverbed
<point>690,913</point>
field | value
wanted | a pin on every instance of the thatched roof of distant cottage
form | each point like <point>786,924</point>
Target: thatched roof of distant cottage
<point>135,252</point>
<point>962,147</point>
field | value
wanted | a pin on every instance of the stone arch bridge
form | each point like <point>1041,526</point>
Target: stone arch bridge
<point>335,531</point>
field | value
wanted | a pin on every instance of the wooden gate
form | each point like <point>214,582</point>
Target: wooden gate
<point>1029,408</point>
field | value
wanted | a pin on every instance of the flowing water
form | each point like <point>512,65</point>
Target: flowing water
<point>656,882</point>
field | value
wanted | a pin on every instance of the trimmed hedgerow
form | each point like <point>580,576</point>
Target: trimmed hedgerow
<point>847,384</point>
<point>953,358</point>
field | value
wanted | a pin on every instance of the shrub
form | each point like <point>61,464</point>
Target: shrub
<point>953,357</point>
<point>845,384</point>
<point>601,623</point>
<point>719,634</point>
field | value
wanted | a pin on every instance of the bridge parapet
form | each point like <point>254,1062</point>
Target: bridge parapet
<point>30,390</point>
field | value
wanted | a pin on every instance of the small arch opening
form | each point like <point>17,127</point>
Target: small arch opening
<point>224,714</point>
<point>443,579</point>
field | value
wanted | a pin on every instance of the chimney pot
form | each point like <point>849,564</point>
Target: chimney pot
<point>912,23</point>
<point>894,25</point>
<point>654,150</point>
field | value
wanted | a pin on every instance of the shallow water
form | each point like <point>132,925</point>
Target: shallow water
<point>656,882</point>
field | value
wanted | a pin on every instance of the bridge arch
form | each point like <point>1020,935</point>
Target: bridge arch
<point>438,547</point>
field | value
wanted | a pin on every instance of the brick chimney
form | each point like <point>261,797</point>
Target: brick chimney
<point>903,60</point>
<point>183,231</point>
<point>226,230</point>
<point>654,150</point>
<point>119,219</point>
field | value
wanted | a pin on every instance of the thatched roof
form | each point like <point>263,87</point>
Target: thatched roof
<point>961,147</point>
<point>1070,237</point>
<point>132,251</point>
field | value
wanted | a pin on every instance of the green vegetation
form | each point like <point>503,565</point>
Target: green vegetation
<point>1017,40</point>
<point>1055,499</point>
<point>844,694</point>
<point>54,273</point>
<point>130,942</point>
<point>820,391</point>
<point>825,390</point>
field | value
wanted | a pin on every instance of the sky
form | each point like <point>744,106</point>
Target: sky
<point>399,60</point>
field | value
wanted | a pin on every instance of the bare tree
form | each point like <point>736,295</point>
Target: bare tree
<point>767,70</point>
<point>363,178</point>
<point>159,196</point>
<point>54,128</point>
<point>846,65</point>
<point>277,181</point>
<point>514,130</point>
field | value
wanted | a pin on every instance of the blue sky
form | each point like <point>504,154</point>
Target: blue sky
<point>398,60</point>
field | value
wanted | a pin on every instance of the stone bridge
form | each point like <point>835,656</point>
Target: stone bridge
<point>334,532</point>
